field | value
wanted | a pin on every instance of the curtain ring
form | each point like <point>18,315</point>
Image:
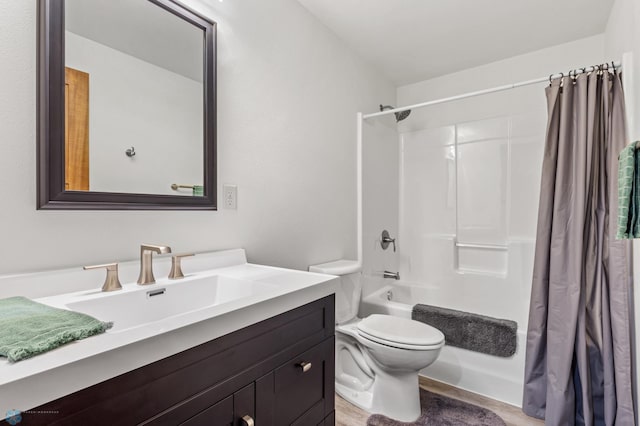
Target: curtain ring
<point>573,74</point>
<point>561,79</point>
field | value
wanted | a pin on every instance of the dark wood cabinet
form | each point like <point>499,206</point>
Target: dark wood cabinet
<point>289,395</point>
<point>276,372</point>
<point>220,413</point>
<point>230,411</point>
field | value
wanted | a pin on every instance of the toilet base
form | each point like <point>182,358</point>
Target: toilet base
<point>361,399</point>
<point>395,397</point>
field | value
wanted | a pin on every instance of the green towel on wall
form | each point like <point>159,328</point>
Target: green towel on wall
<point>629,193</point>
<point>29,328</point>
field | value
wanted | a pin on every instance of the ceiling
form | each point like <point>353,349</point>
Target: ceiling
<point>413,40</point>
<point>141,29</point>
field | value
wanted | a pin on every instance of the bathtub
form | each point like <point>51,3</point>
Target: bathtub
<point>495,377</point>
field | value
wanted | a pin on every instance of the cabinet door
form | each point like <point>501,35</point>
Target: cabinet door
<point>235,410</point>
<point>304,387</point>
<point>244,406</point>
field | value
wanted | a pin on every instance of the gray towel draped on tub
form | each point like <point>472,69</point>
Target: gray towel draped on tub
<point>474,332</point>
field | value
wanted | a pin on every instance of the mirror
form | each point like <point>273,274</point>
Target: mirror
<point>126,106</point>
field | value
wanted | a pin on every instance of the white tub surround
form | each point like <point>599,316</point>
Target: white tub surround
<point>140,340</point>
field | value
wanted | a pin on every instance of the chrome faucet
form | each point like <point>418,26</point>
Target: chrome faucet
<point>389,274</point>
<point>146,262</point>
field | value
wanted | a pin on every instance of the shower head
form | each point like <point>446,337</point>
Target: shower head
<point>402,115</point>
<point>399,115</point>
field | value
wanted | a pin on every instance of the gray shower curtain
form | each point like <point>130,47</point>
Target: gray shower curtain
<point>578,368</point>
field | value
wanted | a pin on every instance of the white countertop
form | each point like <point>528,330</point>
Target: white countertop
<point>32,382</point>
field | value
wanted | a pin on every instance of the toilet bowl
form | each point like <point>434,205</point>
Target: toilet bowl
<point>378,358</point>
<point>377,370</point>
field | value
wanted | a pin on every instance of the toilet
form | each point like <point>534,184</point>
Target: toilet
<point>378,358</point>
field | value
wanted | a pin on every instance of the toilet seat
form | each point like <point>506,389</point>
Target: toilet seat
<point>397,345</point>
<point>400,332</point>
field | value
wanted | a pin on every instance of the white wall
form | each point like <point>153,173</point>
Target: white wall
<point>288,94</point>
<point>619,32</point>
<point>470,172</point>
<point>380,193</point>
<point>133,103</point>
<point>622,36</point>
<point>519,68</point>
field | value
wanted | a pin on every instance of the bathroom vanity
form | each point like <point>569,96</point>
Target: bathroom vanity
<point>263,356</point>
<point>277,372</point>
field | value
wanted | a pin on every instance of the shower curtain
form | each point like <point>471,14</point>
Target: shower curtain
<point>578,367</point>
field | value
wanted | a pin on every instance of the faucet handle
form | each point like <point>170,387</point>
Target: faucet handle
<point>176,266</point>
<point>386,239</point>
<point>111,282</point>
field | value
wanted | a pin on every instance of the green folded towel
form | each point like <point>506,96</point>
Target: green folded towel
<point>629,193</point>
<point>29,328</point>
<point>198,190</point>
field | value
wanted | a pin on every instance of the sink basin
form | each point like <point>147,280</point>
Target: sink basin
<point>136,305</point>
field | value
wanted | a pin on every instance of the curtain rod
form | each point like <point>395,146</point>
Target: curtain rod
<point>486,91</point>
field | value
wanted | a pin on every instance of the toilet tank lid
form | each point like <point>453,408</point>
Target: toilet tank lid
<point>400,330</point>
<point>338,267</point>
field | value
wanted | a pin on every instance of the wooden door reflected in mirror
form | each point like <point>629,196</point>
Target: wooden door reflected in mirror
<point>76,137</point>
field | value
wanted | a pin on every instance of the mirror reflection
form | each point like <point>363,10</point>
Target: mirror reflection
<point>134,104</point>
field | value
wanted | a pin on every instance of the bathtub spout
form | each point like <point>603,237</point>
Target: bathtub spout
<point>394,275</point>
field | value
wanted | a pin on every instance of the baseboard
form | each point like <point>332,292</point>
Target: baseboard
<point>442,386</point>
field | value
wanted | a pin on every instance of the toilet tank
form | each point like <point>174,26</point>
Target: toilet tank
<point>349,290</point>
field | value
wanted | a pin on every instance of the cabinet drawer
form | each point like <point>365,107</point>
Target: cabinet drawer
<point>300,385</point>
<point>220,414</point>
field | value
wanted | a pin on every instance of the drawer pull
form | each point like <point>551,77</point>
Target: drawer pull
<point>306,366</point>
<point>247,421</point>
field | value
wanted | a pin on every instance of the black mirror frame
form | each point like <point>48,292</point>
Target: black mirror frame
<point>51,132</point>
